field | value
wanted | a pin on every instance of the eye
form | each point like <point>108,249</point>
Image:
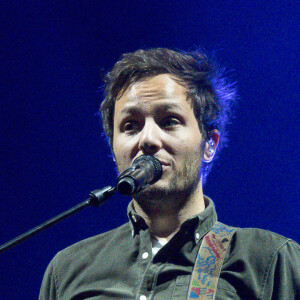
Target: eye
<point>130,126</point>
<point>170,122</point>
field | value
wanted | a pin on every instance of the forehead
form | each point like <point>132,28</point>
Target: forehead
<point>161,90</point>
<point>163,85</point>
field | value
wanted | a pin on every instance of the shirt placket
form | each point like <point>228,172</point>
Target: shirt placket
<point>149,270</point>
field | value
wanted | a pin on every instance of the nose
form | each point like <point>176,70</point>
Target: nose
<point>150,141</point>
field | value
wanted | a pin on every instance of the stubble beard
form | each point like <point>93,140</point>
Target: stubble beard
<point>181,185</point>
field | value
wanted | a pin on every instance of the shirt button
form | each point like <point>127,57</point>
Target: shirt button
<point>144,256</point>
<point>197,236</point>
<point>143,297</point>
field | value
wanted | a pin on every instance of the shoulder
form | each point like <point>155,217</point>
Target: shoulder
<point>69,267</point>
<point>264,261</point>
<point>261,236</point>
<point>261,246</point>
<point>83,251</point>
<point>261,241</point>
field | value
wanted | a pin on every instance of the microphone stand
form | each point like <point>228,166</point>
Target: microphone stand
<point>96,198</point>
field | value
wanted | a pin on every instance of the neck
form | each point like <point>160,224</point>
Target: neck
<point>164,218</point>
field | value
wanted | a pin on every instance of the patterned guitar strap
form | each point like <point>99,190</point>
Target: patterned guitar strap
<point>207,268</point>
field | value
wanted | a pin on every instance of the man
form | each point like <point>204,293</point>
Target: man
<point>173,106</point>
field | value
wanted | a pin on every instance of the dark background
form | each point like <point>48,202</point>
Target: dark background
<point>52,150</point>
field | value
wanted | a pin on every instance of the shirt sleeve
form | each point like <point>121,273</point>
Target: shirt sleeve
<point>283,278</point>
<point>48,289</point>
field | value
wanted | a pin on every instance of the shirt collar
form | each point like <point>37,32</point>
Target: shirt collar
<point>199,224</point>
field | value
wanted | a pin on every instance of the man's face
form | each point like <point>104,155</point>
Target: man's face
<point>153,117</point>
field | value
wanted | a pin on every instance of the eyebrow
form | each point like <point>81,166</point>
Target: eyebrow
<point>132,109</point>
<point>129,110</point>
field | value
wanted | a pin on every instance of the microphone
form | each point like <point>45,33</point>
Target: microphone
<point>145,170</point>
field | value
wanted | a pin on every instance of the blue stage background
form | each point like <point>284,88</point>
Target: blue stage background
<point>52,56</point>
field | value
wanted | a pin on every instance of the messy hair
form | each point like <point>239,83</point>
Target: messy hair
<point>211,94</point>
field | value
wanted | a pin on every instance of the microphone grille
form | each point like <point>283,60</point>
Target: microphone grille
<point>156,164</point>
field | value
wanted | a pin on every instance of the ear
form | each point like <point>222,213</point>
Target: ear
<point>211,145</point>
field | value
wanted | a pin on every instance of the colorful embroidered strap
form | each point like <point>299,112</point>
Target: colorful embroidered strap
<point>207,268</point>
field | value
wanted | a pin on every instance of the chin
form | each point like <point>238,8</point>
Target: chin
<point>160,192</point>
<point>153,191</point>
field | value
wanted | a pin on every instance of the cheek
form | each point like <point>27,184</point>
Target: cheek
<point>120,150</point>
<point>124,150</point>
<point>187,143</point>
<point>188,151</point>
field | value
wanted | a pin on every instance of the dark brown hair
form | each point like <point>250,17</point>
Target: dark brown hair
<point>210,93</point>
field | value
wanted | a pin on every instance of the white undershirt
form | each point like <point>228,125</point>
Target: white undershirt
<point>157,245</point>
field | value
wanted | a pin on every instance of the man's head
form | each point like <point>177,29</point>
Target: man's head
<point>208,93</point>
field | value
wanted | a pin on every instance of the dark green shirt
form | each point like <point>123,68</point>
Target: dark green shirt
<point>119,265</point>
